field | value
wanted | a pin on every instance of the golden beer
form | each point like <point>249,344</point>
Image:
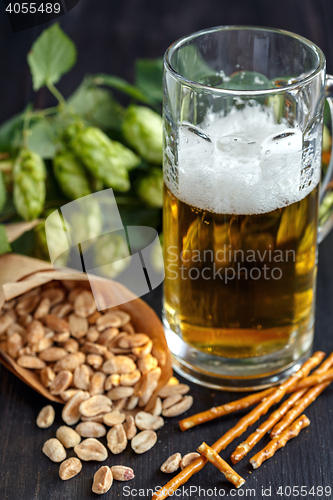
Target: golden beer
<point>240,286</point>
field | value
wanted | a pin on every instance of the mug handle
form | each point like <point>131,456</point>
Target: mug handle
<point>327,182</point>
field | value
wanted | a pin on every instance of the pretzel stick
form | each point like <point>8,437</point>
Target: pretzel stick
<point>279,442</point>
<point>316,379</point>
<point>222,466</point>
<point>294,412</point>
<point>241,404</point>
<point>239,428</point>
<point>242,449</point>
<point>220,411</point>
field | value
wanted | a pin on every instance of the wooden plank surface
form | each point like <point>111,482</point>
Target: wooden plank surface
<point>26,474</point>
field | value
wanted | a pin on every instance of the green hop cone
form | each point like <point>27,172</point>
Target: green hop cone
<point>150,188</point>
<point>110,255</point>
<point>143,130</point>
<point>29,184</point>
<point>42,245</point>
<point>71,176</point>
<point>107,160</point>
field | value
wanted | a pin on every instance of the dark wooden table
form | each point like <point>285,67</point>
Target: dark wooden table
<point>307,461</point>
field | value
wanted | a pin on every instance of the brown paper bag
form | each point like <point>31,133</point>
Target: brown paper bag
<point>19,274</point>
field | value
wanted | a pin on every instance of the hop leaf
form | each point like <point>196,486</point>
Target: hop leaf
<point>52,55</point>
<point>143,130</point>
<point>29,184</point>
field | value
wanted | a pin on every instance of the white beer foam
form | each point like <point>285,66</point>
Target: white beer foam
<point>242,163</point>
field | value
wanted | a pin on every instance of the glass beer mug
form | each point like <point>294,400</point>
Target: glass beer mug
<point>243,121</point>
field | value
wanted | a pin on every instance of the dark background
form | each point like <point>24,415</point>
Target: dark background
<point>110,34</point>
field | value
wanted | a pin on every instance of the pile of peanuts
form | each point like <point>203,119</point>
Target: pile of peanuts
<point>103,370</point>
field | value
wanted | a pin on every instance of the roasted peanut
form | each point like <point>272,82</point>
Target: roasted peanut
<point>132,402</point>
<point>26,305</point>
<point>116,439</point>
<point>92,335</point>
<point>97,383</point>
<point>91,348</point>
<point>103,480</point>
<point>95,405</point>
<point>6,320</point>
<point>143,441</point>
<point>172,389</point>
<point>91,449</point>
<point>25,320</point>
<point>43,308</point>
<point>70,413</point>
<point>71,345</point>
<point>147,363</point>
<point>56,324</point>
<point>112,381</point>
<point>106,337</point>
<point>70,362</point>
<point>130,427</point>
<point>120,393</point>
<point>172,463</point>
<point>78,326</point>
<point>121,473</point>
<point>146,421</point>
<point>188,459</point>
<point>139,352</point>
<point>84,304</point>
<point>108,320</point>
<point>136,340</point>
<point>53,354</point>
<point>46,417</point>
<point>123,316</point>
<point>47,376</point>
<point>179,408</point>
<point>119,404</point>
<point>61,382</point>
<point>54,294</point>
<point>148,386</point>
<point>171,400</point>
<point>68,436</point>
<point>157,408</point>
<point>61,310</point>
<point>95,360</point>
<point>35,331</point>
<point>16,328</point>
<point>70,468</point>
<point>30,362</point>
<point>67,395</point>
<point>130,379</point>
<point>61,337</point>
<point>14,344</point>
<point>81,379</point>
<point>54,450</point>
<point>42,345</point>
<point>94,317</point>
<point>113,418</point>
<point>119,364</point>
<point>90,429</point>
